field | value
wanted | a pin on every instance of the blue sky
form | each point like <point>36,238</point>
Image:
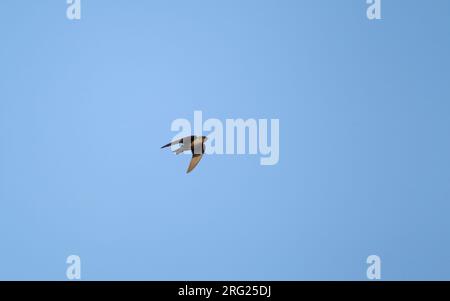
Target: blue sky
<point>364,151</point>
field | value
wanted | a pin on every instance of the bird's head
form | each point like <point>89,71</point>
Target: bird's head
<point>204,138</point>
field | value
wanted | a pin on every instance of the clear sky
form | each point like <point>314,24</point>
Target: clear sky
<point>364,164</point>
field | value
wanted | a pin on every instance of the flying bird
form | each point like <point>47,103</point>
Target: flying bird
<point>196,144</point>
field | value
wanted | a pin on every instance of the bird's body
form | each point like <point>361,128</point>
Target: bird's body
<point>195,144</point>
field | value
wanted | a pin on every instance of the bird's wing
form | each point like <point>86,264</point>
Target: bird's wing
<point>194,161</point>
<point>197,147</point>
<point>182,140</point>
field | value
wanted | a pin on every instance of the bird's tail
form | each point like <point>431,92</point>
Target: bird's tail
<point>179,151</point>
